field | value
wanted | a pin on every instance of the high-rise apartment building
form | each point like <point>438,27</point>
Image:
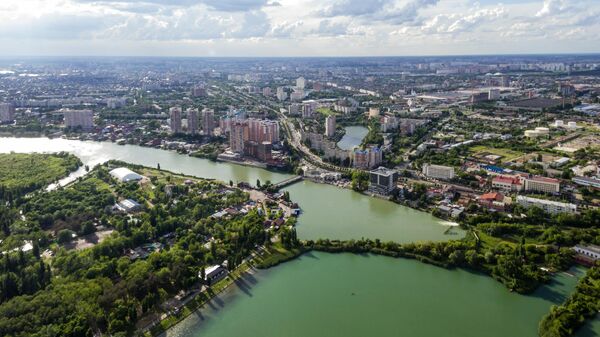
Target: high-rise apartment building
<point>237,136</point>
<point>79,118</point>
<point>192,121</point>
<point>208,121</point>
<point>330,126</point>
<point>301,83</point>
<point>175,119</point>
<point>366,159</point>
<point>7,112</point>
<point>199,91</point>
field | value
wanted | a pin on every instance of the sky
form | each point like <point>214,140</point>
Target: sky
<point>247,28</point>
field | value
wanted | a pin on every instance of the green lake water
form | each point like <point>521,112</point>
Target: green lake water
<point>347,295</point>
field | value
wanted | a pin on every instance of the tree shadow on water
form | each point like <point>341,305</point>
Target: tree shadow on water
<point>244,285</point>
<point>549,293</point>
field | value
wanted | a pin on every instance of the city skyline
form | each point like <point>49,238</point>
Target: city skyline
<point>263,28</point>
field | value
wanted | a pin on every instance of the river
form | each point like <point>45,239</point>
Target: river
<point>328,211</point>
<point>364,295</point>
<point>353,137</point>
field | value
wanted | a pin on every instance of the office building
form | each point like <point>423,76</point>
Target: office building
<point>192,121</point>
<point>330,126</point>
<point>208,121</point>
<point>549,206</point>
<point>301,83</point>
<point>438,171</point>
<point>79,119</point>
<point>7,112</point>
<point>175,119</point>
<point>383,180</point>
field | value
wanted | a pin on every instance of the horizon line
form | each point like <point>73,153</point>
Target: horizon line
<point>305,56</point>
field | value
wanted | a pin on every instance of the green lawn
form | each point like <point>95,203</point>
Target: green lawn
<point>326,111</point>
<point>507,154</point>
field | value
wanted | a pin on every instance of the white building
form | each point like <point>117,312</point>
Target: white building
<point>542,184</point>
<point>591,251</point>
<point>79,118</point>
<point>301,83</point>
<point>330,126</point>
<point>549,206</point>
<point>125,175</point>
<point>438,171</point>
<point>213,274</point>
<point>281,94</point>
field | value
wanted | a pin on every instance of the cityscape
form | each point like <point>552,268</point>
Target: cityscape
<point>257,193</point>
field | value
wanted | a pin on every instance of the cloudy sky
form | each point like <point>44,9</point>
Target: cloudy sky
<point>297,27</point>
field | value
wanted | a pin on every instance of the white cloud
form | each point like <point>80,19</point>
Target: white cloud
<point>350,27</point>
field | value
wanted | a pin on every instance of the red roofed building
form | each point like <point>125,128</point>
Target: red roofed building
<point>507,183</point>
<point>492,200</point>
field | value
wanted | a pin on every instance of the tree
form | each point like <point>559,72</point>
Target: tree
<point>65,236</point>
<point>360,181</point>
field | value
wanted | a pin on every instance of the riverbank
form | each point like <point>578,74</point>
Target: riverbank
<point>264,258</point>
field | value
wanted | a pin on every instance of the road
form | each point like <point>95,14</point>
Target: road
<point>293,136</point>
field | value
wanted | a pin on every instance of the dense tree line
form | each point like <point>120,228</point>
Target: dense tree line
<point>516,267</point>
<point>22,273</point>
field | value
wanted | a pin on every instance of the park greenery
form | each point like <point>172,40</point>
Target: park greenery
<point>24,173</point>
<point>148,257</point>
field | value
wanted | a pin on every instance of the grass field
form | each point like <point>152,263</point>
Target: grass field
<point>326,111</point>
<point>507,154</point>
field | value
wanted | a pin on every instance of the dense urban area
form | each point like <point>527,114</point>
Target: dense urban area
<point>505,148</point>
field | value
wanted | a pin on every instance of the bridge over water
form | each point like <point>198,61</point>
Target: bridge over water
<point>288,182</point>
